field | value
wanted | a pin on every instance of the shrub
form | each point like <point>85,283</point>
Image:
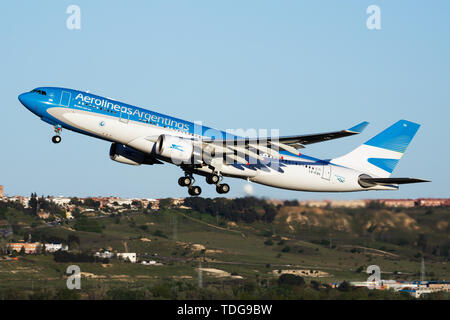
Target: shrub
<point>291,280</point>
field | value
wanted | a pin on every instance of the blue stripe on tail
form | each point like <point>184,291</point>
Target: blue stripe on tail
<point>395,138</point>
<point>385,164</point>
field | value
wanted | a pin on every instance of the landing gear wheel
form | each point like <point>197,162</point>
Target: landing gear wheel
<point>212,179</point>
<point>184,181</point>
<point>195,191</point>
<point>222,188</point>
<point>56,139</point>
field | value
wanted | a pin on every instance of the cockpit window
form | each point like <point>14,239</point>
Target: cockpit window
<point>39,92</point>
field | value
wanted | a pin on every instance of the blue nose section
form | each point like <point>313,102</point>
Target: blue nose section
<point>29,102</point>
<point>24,98</point>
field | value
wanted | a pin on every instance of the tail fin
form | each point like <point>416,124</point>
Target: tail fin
<point>380,155</point>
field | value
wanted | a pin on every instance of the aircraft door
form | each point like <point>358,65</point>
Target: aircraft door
<point>65,99</point>
<point>326,172</point>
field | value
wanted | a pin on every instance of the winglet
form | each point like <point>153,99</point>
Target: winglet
<point>359,127</point>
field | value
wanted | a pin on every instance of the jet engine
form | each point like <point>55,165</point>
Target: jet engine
<point>176,149</point>
<point>124,154</point>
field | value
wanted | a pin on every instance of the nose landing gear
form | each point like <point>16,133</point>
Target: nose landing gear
<point>57,138</point>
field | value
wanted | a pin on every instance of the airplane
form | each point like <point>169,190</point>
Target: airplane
<point>144,137</point>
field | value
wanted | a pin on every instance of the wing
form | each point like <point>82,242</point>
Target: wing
<point>287,143</point>
<point>300,139</point>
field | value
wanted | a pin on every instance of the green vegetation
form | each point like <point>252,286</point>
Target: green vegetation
<point>242,209</point>
<point>225,290</point>
<point>248,239</point>
<point>88,225</point>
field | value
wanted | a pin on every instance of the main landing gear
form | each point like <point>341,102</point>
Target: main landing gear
<point>194,191</point>
<point>57,138</point>
<point>215,179</point>
<point>188,181</point>
<point>222,188</point>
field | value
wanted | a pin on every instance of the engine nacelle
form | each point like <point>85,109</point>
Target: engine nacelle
<point>128,155</point>
<point>365,184</point>
<point>176,149</point>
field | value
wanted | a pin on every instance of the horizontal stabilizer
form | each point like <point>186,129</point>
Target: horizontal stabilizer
<point>368,182</point>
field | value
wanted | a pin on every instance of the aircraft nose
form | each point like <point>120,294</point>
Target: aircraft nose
<point>24,98</point>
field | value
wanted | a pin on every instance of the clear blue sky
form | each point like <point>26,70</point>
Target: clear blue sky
<point>300,66</point>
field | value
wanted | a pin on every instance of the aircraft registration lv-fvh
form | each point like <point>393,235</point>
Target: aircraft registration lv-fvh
<point>141,136</point>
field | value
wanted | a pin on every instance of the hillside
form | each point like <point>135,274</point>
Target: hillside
<point>322,245</point>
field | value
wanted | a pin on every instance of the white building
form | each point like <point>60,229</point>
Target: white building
<point>53,247</point>
<point>128,256</point>
<point>104,255</point>
<point>347,203</point>
<point>151,263</point>
<point>62,201</point>
<point>122,202</point>
<point>23,200</point>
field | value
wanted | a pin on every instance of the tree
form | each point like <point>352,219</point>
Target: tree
<point>165,203</point>
<point>345,286</point>
<point>76,213</point>
<point>75,201</point>
<point>291,280</point>
<point>290,203</point>
<point>91,203</point>
<point>422,242</point>
<point>33,203</point>
<point>269,213</point>
<point>375,204</point>
<point>315,285</point>
<point>360,269</point>
<point>73,240</point>
<point>136,203</point>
